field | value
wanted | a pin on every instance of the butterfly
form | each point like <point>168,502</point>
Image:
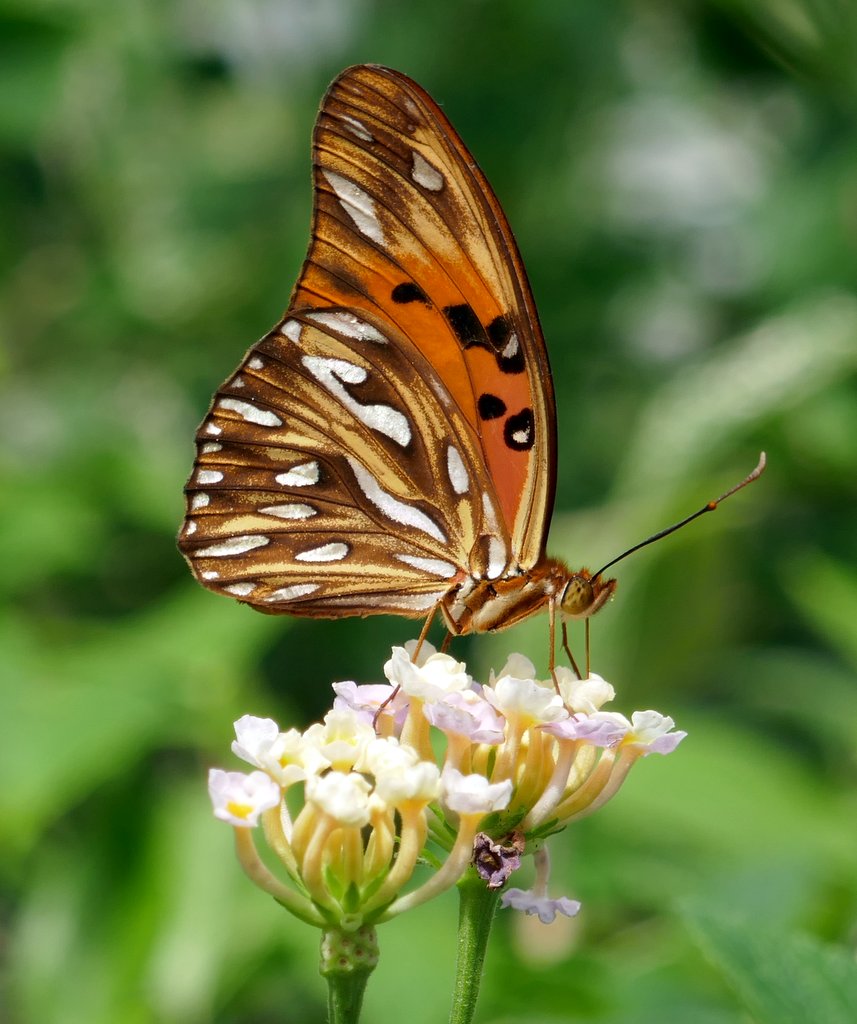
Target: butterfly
<point>390,446</point>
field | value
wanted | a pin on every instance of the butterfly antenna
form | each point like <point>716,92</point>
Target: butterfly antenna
<point>709,507</point>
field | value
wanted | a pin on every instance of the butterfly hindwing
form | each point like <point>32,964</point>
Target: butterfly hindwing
<point>332,479</point>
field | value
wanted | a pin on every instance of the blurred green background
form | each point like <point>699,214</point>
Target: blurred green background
<point>682,181</point>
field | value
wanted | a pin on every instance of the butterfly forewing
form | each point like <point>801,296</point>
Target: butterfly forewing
<point>406,223</point>
<point>395,434</point>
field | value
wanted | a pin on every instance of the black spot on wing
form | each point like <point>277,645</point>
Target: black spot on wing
<point>408,291</point>
<point>466,326</point>
<point>518,431</point>
<point>506,346</point>
<point>499,338</point>
<point>490,407</point>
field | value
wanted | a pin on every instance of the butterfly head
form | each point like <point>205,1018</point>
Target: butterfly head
<point>584,594</point>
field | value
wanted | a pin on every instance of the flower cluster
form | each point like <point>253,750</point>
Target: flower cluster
<point>430,767</point>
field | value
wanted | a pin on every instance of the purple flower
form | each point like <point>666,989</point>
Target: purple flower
<point>466,713</point>
<point>546,908</point>
<point>368,698</point>
<point>601,729</point>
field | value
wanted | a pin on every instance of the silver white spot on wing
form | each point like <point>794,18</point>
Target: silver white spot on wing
<point>199,500</point>
<point>299,476</point>
<point>292,330</point>
<point>210,574</point>
<point>251,413</point>
<point>434,566</point>
<point>391,507</point>
<point>414,602</point>
<point>358,204</point>
<point>211,447</point>
<point>233,546</point>
<point>348,324</point>
<point>255,363</point>
<point>212,428</point>
<point>237,382</point>
<point>293,510</point>
<point>512,347</point>
<point>190,528</point>
<point>497,558</point>
<point>419,602</point>
<point>209,476</point>
<point>241,589</point>
<point>333,373</point>
<point>521,436</point>
<point>324,369</point>
<point>490,515</point>
<point>290,593</point>
<point>426,174</point>
<point>357,128</point>
<point>456,471</point>
<point>326,553</point>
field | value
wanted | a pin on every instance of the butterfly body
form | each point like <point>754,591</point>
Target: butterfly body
<point>480,605</point>
<point>389,447</point>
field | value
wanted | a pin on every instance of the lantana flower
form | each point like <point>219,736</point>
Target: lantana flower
<point>519,759</point>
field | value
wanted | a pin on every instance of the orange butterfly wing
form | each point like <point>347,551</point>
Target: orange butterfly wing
<point>395,433</point>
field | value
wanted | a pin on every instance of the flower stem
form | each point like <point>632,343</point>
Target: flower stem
<point>477,904</point>
<point>347,960</point>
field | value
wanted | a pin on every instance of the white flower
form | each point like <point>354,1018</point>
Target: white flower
<point>253,738</point>
<point>341,738</point>
<point>586,695</point>
<point>239,798</point>
<point>518,667</point>
<point>344,797</point>
<point>650,733</point>
<point>526,700</point>
<point>285,756</point>
<point>292,759</point>
<point>474,794</point>
<point>419,782</point>
<point>426,651</point>
<point>431,680</point>
<point>385,755</point>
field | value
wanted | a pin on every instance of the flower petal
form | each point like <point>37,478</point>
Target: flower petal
<point>547,909</point>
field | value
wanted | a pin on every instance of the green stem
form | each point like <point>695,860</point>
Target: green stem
<point>347,960</point>
<point>476,908</point>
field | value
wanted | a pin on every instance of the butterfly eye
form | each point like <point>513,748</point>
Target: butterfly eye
<point>583,595</point>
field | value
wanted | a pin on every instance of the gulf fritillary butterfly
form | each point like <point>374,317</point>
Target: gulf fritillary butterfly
<point>390,447</point>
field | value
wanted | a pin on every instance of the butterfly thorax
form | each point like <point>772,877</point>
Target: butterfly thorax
<point>483,605</point>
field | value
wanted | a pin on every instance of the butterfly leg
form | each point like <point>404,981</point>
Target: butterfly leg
<point>447,640</point>
<point>587,649</point>
<point>567,649</point>
<point>552,653</point>
<point>424,632</point>
<point>414,656</point>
